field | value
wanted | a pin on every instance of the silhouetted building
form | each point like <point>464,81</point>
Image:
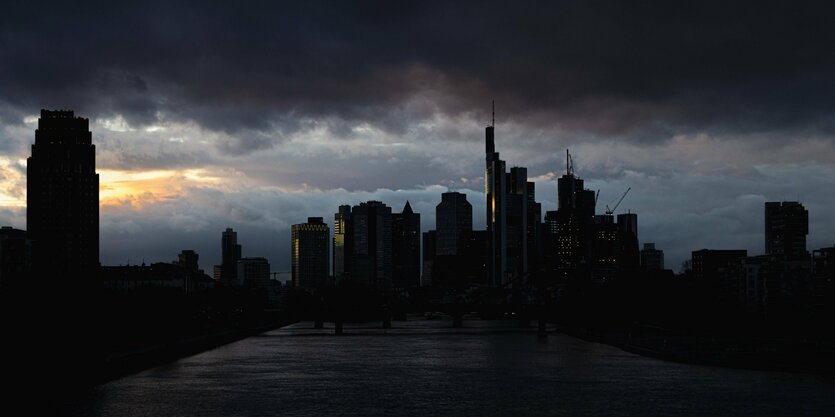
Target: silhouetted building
<point>574,223</point>
<point>606,250</point>
<point>230,255</point>
<point>406,248</point>
<point>707,262</point>
<point>652,259</point>
<point>495,179</point>
<point>371,239</point>
<point>343,247</point>
<point>508,231</point>
<point>62,200</point>
<point>429,247</point>
<point>629,256</point>
<point>188,259</point>
<point>255,272</point>
<point>15,257</point>
<point>786,227</point>
<point>310,253</point>
<point>453,218</point>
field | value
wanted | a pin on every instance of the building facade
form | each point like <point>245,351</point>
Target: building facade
<point>62,200</point>
<point>309,253</point>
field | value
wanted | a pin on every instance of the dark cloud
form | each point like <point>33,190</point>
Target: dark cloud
<point>643,70</point>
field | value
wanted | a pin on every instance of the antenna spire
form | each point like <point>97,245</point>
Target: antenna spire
<point>494,113</point>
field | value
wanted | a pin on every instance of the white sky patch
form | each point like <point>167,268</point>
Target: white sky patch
<point>115,124</point>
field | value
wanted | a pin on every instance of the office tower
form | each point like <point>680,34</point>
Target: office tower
<point>652,259</point>
<point>629,256</point>
<point>15,257</point>
<point>372,235</point>
<point>453,218</point>
<point>343,247</point>
<point>230,254</point>
<point>406,248</point>
<point>429,246</point>
<point>495,190</point>
<point>255,272</point>
<point>508,232</point>
<point>574,223</point>
<point>62,200</point>
<point>786,227</point>
<point>309,253</point>
<point>606,248</point>
<point>187,259</point>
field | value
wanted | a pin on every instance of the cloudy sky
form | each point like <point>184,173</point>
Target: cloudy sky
<point>258,115</point>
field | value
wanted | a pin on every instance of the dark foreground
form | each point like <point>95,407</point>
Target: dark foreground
<point>424,367</point>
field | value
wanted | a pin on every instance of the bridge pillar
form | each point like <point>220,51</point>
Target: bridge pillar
<point>542,327</point>
<point>318,323</point>
<point>338,326</point>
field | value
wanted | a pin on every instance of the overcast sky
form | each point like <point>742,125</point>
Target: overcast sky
<point>258,115</point>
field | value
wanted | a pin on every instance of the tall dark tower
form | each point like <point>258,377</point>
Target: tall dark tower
<point>62,200</point>
<point>495,179</point>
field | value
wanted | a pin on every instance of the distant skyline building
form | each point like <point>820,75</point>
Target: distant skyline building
<point>230,255</point>
<point>406,248</point>
<point>253,272</point>
<point>62,199</point>
<point>372,243</point>
<point>309,250</point>
<point>343,247</point>
<point>652,259</point>
<point>786,227</point>
<point>188,259</point>
<point>574,221</point>
<point>453,218</point>
<point>508,233</point>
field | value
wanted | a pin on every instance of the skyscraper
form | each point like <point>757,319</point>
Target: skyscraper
<point>786,227</point>
<point>574,223</point>
<point>371,233</point>
<point>652,259</point>
<point>453,218</point>
<point>495,189</point>
<point>406,248</point>
<point>62,200</point>
<point>343,247</point>
<point>309,253</point>
<point>230,255</point>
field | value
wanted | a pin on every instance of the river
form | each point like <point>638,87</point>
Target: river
<point>425,368</point>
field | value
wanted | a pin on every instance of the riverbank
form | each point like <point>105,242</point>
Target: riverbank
<point>774,354</point>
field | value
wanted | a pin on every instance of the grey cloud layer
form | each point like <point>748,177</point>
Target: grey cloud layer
<point>636,70</point>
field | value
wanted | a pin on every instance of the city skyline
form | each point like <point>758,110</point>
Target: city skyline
<point>703,143</point>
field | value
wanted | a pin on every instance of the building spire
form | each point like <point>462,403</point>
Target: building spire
<point>494,113</point>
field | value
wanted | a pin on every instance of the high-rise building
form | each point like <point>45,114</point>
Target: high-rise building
<point>453,218</point>
<point>652,259</point>
<point>343,247</point>
<point>706,263</point>
<point>188,259</point>
<point>495,179</point>
<point>230,255</point>
<point>574,224</point>
<point>310,253</point>
<point>62,200</point>
<point>254,272</point>
<point>508,232</point>
<point>786,227</point>
<point>406,248</point>
<point>372,242</point>
<point>629,256</point>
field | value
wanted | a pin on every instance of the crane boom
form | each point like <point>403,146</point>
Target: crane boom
<point>619,201</point>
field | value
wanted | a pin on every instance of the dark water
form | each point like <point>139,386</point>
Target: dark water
<point>423,368</point>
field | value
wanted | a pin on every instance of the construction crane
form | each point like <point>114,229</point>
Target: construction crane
<point>612,210</point>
